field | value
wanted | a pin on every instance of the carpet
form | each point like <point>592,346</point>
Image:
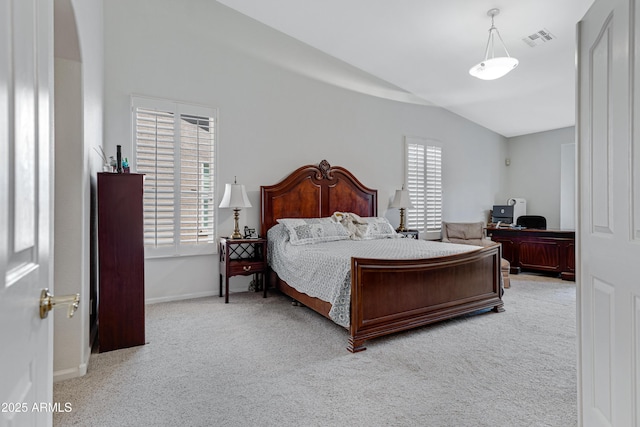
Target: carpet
<point>264,362</point>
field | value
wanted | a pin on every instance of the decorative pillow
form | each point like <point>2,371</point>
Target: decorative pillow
<point>304,231</point>
<point>378,228</point>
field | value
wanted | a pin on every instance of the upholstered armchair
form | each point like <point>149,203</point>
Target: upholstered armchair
<point>473,233</point>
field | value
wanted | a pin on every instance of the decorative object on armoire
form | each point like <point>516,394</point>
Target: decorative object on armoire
<point>119,158</point>
<point>106,167</point>
<point>235,197</point>
<point>401,201</point>
<point>494,67</point>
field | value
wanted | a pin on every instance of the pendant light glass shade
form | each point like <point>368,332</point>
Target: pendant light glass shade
<point>493,67</point>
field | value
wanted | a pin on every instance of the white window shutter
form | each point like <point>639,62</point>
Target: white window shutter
<point>433,161</point>
<point>424,182</point>
<point>196,180</point>
<point>155,157</point>
<point>175,149</point>
<point>416,185</point>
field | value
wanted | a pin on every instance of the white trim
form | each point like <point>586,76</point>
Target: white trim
<point>171,298</point>
<point>66,374</point>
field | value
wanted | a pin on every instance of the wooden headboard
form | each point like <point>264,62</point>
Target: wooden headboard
<point>315,192</point>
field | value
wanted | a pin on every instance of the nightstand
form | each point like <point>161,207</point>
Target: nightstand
<point>410,234</point>
<point>242,257</point>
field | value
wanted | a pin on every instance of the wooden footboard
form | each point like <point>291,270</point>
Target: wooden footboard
<point>389,296</point>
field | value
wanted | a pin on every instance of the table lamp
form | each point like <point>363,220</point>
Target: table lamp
<point>402,201</point>
<point>235,197</point>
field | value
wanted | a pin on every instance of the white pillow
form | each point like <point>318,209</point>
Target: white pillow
<point>304,231</point>
<point>378,228</point>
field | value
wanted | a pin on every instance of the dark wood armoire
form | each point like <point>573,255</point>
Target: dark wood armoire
<point>121,261</point>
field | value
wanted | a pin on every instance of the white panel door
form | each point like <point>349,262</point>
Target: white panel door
<point>26,367</point>
<point>609,214</point>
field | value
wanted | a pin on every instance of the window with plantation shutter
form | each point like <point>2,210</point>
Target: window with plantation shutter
<point>174,146</point>
<point>423,175</point>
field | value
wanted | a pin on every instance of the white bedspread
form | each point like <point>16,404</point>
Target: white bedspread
<point>323,270</point>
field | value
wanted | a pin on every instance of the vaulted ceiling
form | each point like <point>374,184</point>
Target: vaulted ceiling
<point>426,47</point>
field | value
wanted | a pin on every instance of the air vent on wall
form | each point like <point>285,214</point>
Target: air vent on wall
<point>538,38</point>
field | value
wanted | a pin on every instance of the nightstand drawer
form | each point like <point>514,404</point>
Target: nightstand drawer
<point>245,267</point>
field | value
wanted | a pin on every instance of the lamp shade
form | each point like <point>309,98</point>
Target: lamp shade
<point>401,200</point>
<point>235,197</point>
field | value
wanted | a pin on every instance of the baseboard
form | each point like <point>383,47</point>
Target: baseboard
<point>180,297</point>
<point>66,374</point>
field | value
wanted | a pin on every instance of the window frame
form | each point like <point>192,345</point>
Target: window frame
<point>179,109</point>
<point>426,233</point>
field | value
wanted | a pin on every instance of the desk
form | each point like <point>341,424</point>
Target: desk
<point>538,250</point>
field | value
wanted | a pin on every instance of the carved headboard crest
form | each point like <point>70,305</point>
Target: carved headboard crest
<point>325,170</point>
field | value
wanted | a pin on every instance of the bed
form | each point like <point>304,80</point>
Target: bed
<point>424,290</point>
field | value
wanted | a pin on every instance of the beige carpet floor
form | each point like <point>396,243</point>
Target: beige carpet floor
<point>264,362</point>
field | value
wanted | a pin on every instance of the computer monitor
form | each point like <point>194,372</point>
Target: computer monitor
<point>502,213</point>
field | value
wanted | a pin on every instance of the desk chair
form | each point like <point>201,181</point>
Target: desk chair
<point>532,221</point>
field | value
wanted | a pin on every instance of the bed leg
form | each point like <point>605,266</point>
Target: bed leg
<point>356,346</point>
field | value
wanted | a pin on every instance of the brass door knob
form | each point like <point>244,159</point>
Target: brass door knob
<point>48,302</point>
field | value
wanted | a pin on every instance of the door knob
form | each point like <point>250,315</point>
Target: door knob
<point>48,302</point>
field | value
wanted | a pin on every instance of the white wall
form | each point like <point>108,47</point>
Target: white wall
<point>68,214</point>
<point>568,186</point>
<point>78,104</point>
<point>535,171</point>
<point>281,105</point>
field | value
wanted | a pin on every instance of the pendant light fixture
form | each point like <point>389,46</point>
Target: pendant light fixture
<point>493,67</point>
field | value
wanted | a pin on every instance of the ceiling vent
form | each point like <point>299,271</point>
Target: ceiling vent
<point>539,38</point>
